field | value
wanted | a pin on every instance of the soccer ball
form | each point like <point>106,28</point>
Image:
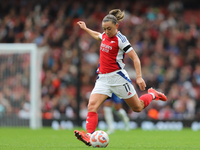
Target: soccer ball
<point>99,139</point>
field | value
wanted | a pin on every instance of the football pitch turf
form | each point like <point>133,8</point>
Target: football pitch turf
<point>49,139</point>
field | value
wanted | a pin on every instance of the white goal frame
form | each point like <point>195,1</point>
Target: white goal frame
<point>35,121</point>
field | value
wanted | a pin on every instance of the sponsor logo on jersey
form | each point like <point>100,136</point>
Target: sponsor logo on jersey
<point>105,48</point>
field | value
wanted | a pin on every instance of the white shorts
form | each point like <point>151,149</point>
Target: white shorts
<point>117,82</point>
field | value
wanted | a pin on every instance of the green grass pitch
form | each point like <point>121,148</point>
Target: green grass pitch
<point>49,139</point>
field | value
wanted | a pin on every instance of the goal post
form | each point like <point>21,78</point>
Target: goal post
<point>21,55</point>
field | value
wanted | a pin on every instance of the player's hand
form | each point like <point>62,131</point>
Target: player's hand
<point>82,24</point>
<point>141,83</point>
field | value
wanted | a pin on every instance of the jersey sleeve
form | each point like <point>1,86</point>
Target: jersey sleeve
<point>124,44</point>
<point>100,35</point>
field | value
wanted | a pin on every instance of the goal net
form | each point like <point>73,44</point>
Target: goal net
<point>20,99</point>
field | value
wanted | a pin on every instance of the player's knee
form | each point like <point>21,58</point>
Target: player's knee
<point>92,106</point>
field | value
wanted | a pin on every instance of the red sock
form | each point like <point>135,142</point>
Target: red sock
<point>146,98</point>
<point>91,122</point>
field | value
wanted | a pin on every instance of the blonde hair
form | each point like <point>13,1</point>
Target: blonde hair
<point>115,16</point>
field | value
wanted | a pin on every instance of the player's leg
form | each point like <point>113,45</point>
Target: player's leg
<point>108,115</point>
<point>92,118</point>
<point>138,104</point>
<point>99,94</point>
<point>128,93</point>
<point>95,102</point>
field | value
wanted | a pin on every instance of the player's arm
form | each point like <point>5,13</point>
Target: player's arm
<point>132,54</point>
<point>94,34</point>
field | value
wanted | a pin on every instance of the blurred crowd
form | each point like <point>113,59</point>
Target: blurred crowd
<point>166,40</point>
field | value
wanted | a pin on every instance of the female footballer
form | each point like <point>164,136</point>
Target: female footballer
<point>112,77</point>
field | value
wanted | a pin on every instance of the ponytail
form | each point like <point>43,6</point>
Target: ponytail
<point>115,16</point>
<point>118,14</point>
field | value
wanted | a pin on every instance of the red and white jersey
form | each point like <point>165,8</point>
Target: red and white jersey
<point>112,51</point>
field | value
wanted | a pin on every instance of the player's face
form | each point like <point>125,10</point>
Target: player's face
<point>110,28</point>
